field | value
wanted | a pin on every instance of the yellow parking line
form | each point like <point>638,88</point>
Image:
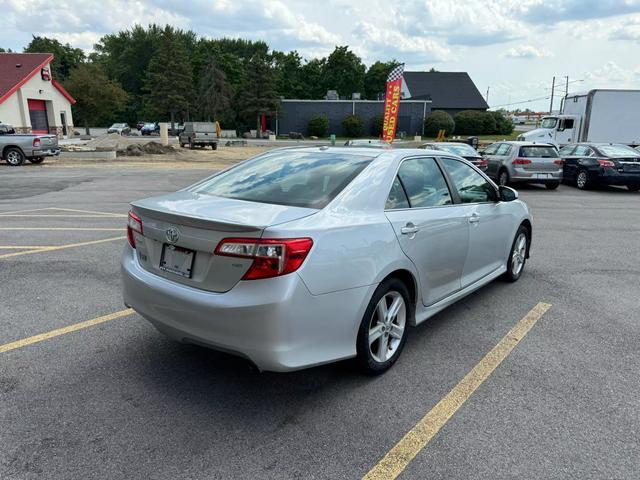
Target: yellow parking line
<point>64,229</point>
<point>60,247</point>
<point>22,247</point>
<point>23,211</point>
<point>397,459</point>
<point>55,215</point>
<point>61,331</point>
<point>106,214</point>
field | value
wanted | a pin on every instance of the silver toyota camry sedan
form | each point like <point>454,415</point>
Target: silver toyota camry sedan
<point>304,256</point>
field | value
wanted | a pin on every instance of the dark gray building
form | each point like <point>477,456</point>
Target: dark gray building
<point>452,92</point>
<point>294,115</point>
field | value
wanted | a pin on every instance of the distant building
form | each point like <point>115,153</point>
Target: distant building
<point>30,98</point>
<point>452,92</point>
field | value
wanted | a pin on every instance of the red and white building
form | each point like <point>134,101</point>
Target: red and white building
<point>30,98</point>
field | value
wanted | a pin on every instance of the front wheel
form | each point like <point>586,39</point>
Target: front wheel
<point>214,146</point>
<point>384,327</point>
<point>518,255</point>
<point>503,178</point>
<point>14,156</point>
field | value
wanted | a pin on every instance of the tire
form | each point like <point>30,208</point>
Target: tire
<point>583,182</point>
<point>14,156</point>
<point>503,178</point>
<point>391,333</point>
<point>633,188</point>
<point>181,145</point>
<point>517,255</point>
<point>36,159</point>
<point>191,145</point>
<point>552,186</point>
<point>214,146</point>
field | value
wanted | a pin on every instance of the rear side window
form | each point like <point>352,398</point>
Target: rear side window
<point>492,149</point>
<point>583,151</point>
<point>566,151</point>
<point>538,151</point>
<point>472,187</point>
<point>397,198</point>
<point>300,179</point>
<point>424,183</point>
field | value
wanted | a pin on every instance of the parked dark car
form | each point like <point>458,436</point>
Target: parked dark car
<point>150,129</point>
<point>139,125</point>
<point>463,150</point>
<point>588,165</point>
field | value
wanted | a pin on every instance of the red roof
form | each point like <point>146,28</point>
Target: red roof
<point>12,76</point>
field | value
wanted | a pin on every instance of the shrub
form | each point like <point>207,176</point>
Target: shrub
<point>438,120</point>
<point>376,126</point>
<point>504,124</point>
<point>352,126</point>
<point>475,122</point>
<point>318,125</point>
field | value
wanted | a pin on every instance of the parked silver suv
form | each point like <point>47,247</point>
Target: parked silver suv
<point>513,162</point>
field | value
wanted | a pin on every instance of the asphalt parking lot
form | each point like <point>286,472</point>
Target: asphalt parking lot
<point>112,398</point>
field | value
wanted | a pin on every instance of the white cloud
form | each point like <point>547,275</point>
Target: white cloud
<point>527,51</point>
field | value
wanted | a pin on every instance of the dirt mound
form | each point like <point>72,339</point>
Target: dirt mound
<point>155,148</point>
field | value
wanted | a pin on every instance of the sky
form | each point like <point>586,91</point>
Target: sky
<point>511,47</point>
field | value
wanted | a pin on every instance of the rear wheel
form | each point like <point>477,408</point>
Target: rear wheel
<point>552,186</point>
<point>384,327</point>
<point>214,145</point>
<point>518,255</point>
<point>191,145</point>
<point>14,156</point>
<point>583,182</point>
<point>503,178</point>
<point>36,159</point>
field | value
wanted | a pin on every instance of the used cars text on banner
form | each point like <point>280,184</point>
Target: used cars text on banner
<point>392,103</point>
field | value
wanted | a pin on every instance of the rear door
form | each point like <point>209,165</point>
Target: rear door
<point>490,225</point>
<point>571,158</point>
<point>432,231</point>
<point>492,165</point>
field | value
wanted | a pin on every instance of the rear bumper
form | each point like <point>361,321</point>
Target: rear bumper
<point>535,176</point>
<point>613,177</point>
<point>275,323</point>
<point>49,152</point>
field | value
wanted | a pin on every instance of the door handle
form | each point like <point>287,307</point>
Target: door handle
<point>475,218</point>
<point>409,229</point>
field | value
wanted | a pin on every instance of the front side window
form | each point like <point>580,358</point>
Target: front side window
<point>504,149</point>
<point>299,179</point>
<point>583,151</point>
<point>472,187</point>
<point>424,183</point>
<point>492,149</point>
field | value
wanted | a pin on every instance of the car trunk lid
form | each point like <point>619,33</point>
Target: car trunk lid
<point>182,230</point>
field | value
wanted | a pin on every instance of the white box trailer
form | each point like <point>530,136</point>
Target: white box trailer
<point>602,116</point>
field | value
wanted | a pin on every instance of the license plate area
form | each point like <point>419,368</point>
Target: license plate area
<point>542,175</point>
<point>177,260</point>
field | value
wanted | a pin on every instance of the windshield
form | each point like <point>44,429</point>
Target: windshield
<point>149,125</point>
<point>538,151</point>
<point>618,151</point>
<point>300,179</point>
<point>549,122</point>
<point>117,125</point>
<point>463,150</point>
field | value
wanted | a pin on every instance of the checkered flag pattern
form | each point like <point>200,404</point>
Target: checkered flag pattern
<point>396,73</point>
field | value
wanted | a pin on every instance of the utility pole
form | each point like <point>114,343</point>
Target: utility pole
<point>566,87</point>
<point>553,86</point>
<point>487,97</point>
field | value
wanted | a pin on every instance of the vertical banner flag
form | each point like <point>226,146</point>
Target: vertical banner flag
<point>392,103</point>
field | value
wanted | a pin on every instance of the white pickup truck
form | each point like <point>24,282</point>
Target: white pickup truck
<point>15,148</point>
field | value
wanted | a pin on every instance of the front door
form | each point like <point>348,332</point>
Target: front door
<point>566,131</point>
<point>489,222</point>
<point>432,231</point>
<point>38,116</point>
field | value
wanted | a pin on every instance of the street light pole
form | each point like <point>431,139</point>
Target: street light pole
<point>553,86</point>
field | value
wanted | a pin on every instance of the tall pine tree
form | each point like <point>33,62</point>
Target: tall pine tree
<point>214,92</point>
<point>258,95</point>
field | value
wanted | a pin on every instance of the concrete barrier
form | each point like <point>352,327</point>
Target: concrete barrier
<point>106,155</point>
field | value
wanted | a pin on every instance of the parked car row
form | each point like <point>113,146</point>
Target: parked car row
<point>145,128</point>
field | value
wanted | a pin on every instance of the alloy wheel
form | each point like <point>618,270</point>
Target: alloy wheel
<point>14,158</point>
<point>519,254</point>
<point>503,180</point>
<point>581,181</point>
<point>387,326</point>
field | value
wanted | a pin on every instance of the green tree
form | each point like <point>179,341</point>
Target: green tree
<point>98,99</point>
<point>8,50</point>
<point>474,122</point>
<point>438,120</point>
<point>311,74</point>
<point>375,80</point>
<point>288,70</point>
<point>504,124</point>
<point>376,125</point>
<point>344,72</point>
<point>352,126</point>
<point>214,92</point>
<point>65,57</point>
<point>169,79</point>
<point>258,96</point>
<point>318,125</point>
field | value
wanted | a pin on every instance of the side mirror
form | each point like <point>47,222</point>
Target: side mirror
<point>508,194</point>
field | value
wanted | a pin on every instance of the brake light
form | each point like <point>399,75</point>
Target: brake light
<point>134,224</point>
<point>482,163</point>
<point>36,142</point>
<point>521,161</point>
<point>606,163</point>
<point>271,257</point>
<point>559,162</point>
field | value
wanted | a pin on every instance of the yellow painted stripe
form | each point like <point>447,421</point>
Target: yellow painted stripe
<point>106,214</point>
<point>60,247</point>
<point>63,229</point>
<point>397,459</point>
<point>22,247</point>
<point>64,330</point>
<point>23,211</point>
<point>56,215</point>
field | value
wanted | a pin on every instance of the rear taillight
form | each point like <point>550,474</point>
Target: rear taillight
<point>482,163</point>
<point>134,224</point>
<point>36,142</point>
<point>521,161</point>
<point>559,162</point>
<point>271,257</point>
<point>606,163</point>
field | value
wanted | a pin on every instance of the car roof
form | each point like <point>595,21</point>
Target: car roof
<point>522,143</point>
<point>390,154</point>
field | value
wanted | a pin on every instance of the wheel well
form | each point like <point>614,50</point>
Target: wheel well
<point>529,227</point>
<point>406,277</point>
<point>4,150</point>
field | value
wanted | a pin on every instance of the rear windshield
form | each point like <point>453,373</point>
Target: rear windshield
<point>300,179</point>
<point>538,151</point>
<point>204,127</point>
<point>617,151</point>
<point>462,150</point>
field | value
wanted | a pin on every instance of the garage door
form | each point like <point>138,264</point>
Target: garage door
<point>38,116</point>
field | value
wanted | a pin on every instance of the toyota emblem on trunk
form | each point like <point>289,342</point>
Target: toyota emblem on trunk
<point>172,235</point>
